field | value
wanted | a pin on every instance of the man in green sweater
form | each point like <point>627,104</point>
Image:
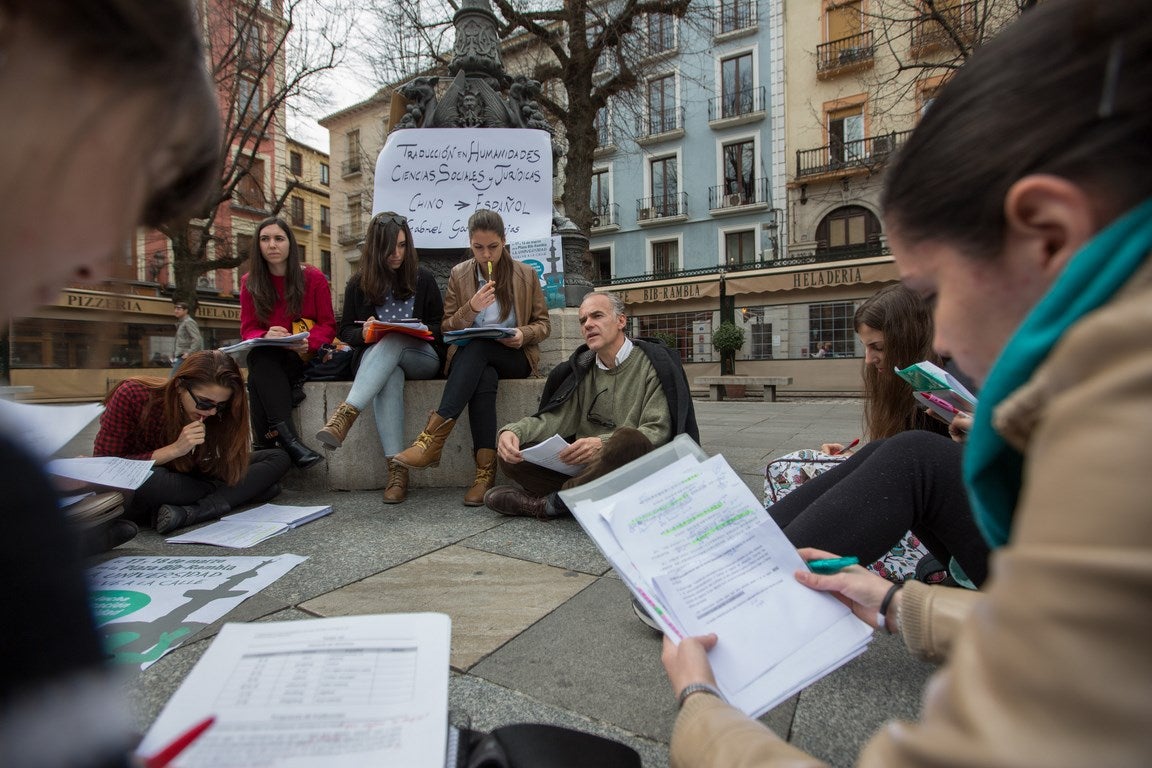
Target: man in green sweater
<point>613,400</point>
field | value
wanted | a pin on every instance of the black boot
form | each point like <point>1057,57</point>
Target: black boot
<point>302,456</point>
<point>170,516</point>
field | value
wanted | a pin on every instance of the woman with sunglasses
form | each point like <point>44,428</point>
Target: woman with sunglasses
<point>277,293</point>
<point>390,286</point>
<point>487,290</point>
<point>194,426</point>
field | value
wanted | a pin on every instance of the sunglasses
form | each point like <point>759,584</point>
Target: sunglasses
<point>388,217</point>
<point>207,405</point>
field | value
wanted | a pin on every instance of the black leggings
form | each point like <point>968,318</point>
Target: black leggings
<point>167,487</point>
<point>910,482</point>
<point>271,373</point>
<point>473,379</point>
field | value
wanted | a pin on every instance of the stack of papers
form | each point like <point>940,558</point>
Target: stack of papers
<point>547,454</point>
<point>377,329</point>
<point>935,388</point>
<point>248,528</point>
<point>264,341</point>
<point>702,555</point>
<point>349,691</point>
<point>110,471</point>
<point>465,335</point>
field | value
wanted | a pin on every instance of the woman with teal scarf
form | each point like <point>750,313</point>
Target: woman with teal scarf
<point>1022,207</point>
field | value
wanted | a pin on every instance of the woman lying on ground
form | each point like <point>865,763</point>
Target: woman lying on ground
<point>195,427</point>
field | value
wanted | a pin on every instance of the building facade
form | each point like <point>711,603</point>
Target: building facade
<point>308,207</point>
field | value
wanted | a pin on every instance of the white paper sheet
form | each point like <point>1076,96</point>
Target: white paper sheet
<point>338,692</point>
<point>547,454</point>
<point>264,341</point>
<point>111,471</point>
<point>45,429</point>
<point>232,534</point>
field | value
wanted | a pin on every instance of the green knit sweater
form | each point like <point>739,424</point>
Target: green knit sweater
<point>628,395</point>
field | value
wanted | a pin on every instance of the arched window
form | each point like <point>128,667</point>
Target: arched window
<point>851,227</point>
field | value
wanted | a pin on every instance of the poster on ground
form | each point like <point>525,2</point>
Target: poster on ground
<point>145,606</point>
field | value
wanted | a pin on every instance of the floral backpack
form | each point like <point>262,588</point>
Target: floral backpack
<point>784,474</point>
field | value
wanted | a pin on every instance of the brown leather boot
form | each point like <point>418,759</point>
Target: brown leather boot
<point>397,489</point>
<point>333,433</point>
<point>485,477</point>
<point>425,452</point>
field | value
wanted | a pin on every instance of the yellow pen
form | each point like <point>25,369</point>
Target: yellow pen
<point>489,271</point>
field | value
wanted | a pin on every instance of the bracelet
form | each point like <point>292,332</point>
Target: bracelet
<point>881,619</point>
<point>692,688</point>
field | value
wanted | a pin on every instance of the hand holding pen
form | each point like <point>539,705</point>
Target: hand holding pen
<point>835,449</point>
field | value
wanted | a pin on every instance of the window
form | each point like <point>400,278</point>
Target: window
<point>737,93</point>
<point>251,52</point>
<point>661,33</point>
<point>690,333</point>
<point>662,104</point>
<point>326,263</point>
<point>601,265</point>
<point>843,20</point>
<point>833,322</point>
<point>243,246</point>
<point>740,248</point>
<point>325,220</point>
<point>600,199</point>
<point>846,134</point>
<point>249,101</point>
<point>296,163</point>
<point>665,257</point>
<point>740,172</point>
<point>352,142</point>
<point>355,215</point>
<point>603,128</point>
<point>851,226</point>
<point>296,208</point>
<point>734,15</point>
<point>324,174</point>
<point>761,341</point>
<point>303,253</point>
<point>665,186</point>
<point>250,187</point>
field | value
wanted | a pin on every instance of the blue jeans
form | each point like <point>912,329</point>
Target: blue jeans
<point>380,378</point>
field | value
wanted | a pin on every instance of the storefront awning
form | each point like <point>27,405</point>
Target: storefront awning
<point>826,277</point>
<point>667,290</point>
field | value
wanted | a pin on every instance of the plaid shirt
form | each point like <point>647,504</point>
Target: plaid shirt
<point>125,430</point>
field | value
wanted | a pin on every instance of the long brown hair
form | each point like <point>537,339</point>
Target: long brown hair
<point>376,277</point>
<point>906,322</point>
<point>226,444</point>
<point>260,278</point>
<point>485,220</point>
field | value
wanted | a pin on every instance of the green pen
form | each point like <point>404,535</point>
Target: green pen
<point>832,564</point>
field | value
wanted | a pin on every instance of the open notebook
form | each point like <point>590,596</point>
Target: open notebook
<point>252,526</point>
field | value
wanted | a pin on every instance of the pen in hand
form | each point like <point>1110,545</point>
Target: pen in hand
<point>831,565</point>
<point>178,745</point>
<point>848,447</point>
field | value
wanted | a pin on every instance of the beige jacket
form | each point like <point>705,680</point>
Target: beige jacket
<point>531,311</point>
<point>1051,664</point>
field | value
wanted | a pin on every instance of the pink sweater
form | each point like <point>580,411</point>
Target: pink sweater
<point>316,304</point>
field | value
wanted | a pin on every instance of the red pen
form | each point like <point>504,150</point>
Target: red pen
<point>178,745</point>
<point>848,447</point>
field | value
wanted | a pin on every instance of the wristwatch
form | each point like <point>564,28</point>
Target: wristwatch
<point>692,688</point>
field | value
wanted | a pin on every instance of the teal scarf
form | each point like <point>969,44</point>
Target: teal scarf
<point>992,468</point>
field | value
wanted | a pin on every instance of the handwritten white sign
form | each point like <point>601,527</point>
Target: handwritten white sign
<point>438,177</point>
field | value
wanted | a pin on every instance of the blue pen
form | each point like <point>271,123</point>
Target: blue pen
<point>832,564</point>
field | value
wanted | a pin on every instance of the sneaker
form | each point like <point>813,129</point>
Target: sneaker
<point>642,614</point>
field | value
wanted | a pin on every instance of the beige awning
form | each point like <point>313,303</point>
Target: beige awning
<point>826,277</point>
<point>667,290</point>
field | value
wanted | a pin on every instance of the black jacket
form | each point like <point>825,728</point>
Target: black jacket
<point>566,377</point>
<point>428,307</point>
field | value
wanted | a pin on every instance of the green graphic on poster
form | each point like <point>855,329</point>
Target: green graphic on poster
<point>111,604</point>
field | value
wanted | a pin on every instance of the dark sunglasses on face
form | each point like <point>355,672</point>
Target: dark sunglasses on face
<point>207,405</point>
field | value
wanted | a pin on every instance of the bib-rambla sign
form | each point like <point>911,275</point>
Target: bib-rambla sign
<point>438,177</point>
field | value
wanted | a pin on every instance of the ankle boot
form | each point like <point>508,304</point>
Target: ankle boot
<point>302,456</point>
<point>336,430</point>
<point>397,489</point>
<point>170,516</point>
<point>485,478</point>
<point>425,452</point>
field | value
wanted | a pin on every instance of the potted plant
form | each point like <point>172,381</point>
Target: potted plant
<point>666,338</point>
<point>726,340</point>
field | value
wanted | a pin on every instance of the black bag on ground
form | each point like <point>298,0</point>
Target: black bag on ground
<point>534,745</point>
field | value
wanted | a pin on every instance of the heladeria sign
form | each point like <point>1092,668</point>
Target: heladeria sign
<point>438,177</point>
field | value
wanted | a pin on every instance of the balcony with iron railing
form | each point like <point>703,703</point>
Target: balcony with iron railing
<point>662,208</point>
<point>350,167</point>
<point>734,18</point>
<point>738,197</point>
<point>847,158</point>
<point>737,107</point>
<point>605,216</point>
<point>950,25</point>
<point>800,259</point>
<point>662,125</point>
<point>350,234</point>
<point>847,54</point>
<point>300,220</point>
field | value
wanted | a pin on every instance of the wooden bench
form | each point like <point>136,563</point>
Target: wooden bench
<point>716,384</point>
